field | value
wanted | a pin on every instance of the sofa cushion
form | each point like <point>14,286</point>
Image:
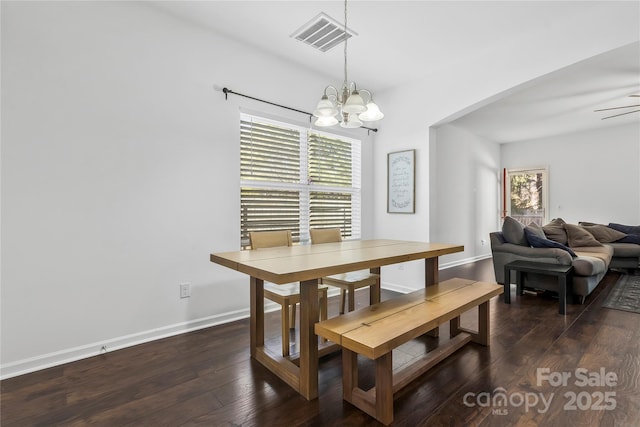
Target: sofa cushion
<point>625,250</point>
<point>513,232</point>
<point>604,234</point>
<point>541,242</point>
<point>578,236</point>
<point>604,252</point>
<point>627,229</point>
<point>588,265</point>
<point>554,230</point>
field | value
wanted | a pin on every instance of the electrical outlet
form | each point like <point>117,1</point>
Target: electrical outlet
<point>185,290</point>
<point>483,242</point>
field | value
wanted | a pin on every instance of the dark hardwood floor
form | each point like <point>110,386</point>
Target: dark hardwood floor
<point>207,377</point>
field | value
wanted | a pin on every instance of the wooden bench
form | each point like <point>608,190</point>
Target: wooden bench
<point>376,330</point>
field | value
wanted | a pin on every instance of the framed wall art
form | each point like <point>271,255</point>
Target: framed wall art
<point>401,182</point>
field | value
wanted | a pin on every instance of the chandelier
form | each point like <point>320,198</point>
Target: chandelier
<point>346,106</point>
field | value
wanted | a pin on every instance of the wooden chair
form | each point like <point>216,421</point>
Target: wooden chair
<point>347,282</point>
<point>287,295</point>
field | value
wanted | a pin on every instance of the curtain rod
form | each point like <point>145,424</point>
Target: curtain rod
<point>228,91</point>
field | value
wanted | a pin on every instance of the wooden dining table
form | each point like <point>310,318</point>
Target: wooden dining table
<point>307,264</point>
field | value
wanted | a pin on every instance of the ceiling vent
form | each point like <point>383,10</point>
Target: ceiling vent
<point>322,32</point>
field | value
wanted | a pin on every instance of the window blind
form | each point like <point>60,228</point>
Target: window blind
<point>294,178</point>
<point>329,161</point>
<point>269,153</point>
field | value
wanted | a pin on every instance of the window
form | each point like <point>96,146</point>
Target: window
<point>527,195</point>
<point>293,178</point>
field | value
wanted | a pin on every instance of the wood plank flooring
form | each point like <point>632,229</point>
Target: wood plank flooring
<point>206,378</point>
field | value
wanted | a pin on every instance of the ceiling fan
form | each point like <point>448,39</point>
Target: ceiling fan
<point>623,107</point>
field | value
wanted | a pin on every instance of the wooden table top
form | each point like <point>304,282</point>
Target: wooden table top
<point>308,262</point>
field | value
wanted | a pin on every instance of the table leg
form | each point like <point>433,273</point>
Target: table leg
<point>431,271</point>
<point>507,285</point>
<point>374,291</point>
<point>430,279</point>
<point>308,339</point>
<point>257,314</point>
<point>519,282</point>
<point>562,297</point>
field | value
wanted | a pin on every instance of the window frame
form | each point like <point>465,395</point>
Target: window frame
<point>545,190</point>
<point>304,187</point>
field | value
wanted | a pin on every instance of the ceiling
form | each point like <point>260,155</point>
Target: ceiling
<point>564,101</point>
<point>405,41</point>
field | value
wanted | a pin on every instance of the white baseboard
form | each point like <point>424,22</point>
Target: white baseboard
<point>61,357</point>
<point>32,364</point>
<point>49,360</point>
<point>446,265</point>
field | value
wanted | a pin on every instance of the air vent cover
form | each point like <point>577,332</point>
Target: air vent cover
<point>323,32</point>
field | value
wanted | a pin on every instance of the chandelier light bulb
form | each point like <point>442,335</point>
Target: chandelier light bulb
<point>372,114</point>
<point>325,108</point>
<point>354,104</point>
<point>325,121</point>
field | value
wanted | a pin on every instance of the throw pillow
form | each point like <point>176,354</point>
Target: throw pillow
<point>630,238</point>
<point>554,230</point>
<point>513,232</point>
<point>604,234</point>
<point>627,229</point>
<point>534,229</point>
<point>541,242</point>
<point>579,237</point>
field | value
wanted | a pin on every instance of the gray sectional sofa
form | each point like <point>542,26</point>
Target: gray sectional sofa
<point>566,244</point>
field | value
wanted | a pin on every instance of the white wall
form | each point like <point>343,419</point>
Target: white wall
<point>593,28</point>
<point>465,195</point>
<point>593,176</point>
<point>120,174</point>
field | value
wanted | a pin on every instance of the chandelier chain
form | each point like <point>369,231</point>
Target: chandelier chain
<point>347,104</point>
<point>346,81</point>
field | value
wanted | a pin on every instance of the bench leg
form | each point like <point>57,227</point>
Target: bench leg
<point>349,374</point>
<point>454,327</point>
<point>480,337</point>
<point>384,389</point>
<point>483,324</point>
